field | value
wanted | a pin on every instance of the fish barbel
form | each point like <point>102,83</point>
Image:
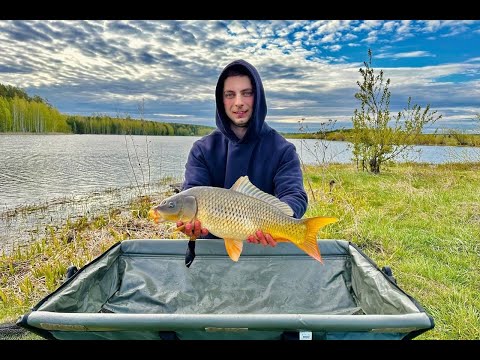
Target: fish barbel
<point>234,214</point>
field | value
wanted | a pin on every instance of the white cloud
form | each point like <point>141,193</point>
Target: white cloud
<point>389,26</point>
<point>372,37</point>
<point>368,25</point>
<point>432,25</point>
<point>411,54</point>
<point>333,48</point>
<point>349,36</point>
<point>171,115</point>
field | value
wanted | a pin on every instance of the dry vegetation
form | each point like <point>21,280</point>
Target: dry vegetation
<point>30,273</point>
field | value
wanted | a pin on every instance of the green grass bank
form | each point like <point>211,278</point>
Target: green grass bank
<point>421,220</point>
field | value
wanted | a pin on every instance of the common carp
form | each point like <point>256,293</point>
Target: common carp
<point>234,214</point>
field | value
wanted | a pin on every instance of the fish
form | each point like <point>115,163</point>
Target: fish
<point>234,214</point>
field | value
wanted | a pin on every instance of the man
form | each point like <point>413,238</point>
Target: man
<point>243,144</point>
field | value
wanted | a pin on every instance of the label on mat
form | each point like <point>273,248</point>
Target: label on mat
<point>305,335</point>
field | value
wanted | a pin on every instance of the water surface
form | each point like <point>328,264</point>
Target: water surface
<point>65,176</point>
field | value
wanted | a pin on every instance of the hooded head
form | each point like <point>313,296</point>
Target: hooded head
<point>256,111</point>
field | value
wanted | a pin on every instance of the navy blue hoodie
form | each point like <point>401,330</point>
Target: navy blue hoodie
<point>270,161</point>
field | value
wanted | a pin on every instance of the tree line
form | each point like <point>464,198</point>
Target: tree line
<point>445,137</point>
<point>21,113</point>
<point>104,124</point>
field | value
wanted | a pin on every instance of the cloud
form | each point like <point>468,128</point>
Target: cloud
<point>13,69</point>
<point>309,68</point>
<point>411,54</point>
<point>333,48</point>
<point>172,115</point>
<point>24,32</point>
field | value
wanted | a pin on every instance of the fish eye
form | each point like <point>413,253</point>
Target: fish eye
<point>171,204</point>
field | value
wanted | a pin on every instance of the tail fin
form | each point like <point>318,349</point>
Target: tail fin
<point>309,244</point>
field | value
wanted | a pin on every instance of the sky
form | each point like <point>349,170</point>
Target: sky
<point>309,68</point>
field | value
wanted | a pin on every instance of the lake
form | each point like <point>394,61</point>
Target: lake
<point>38,168</point>
<point>89,172</point>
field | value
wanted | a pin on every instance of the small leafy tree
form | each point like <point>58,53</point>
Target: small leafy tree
<point>377,136</point>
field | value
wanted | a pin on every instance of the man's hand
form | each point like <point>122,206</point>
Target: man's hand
<point>260,238</point>
<point>194,230</point>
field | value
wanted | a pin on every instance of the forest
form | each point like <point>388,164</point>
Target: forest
<point>20,113</point>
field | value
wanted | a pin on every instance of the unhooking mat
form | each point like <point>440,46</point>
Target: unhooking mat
<point>141,289</point>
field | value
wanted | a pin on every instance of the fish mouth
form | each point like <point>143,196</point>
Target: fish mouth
<point>154,215</point>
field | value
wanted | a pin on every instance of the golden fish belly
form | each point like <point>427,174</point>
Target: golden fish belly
<point>229,214</point>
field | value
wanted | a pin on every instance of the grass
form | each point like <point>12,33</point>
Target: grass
<point>421,220</point>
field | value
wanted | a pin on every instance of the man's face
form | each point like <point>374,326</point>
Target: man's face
<point>238,99</point>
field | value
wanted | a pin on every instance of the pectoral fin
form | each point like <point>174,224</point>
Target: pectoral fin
<point>234,248</point>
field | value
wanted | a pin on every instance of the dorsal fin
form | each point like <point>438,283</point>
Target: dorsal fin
<point>244,186</point>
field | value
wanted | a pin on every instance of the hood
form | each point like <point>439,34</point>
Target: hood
<point>257,121</point>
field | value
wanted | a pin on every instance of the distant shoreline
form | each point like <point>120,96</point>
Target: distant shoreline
<point>455,139</point>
